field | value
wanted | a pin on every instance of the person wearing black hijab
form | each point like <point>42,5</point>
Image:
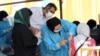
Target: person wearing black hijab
<point>51,24</point>
<point>55,37</point>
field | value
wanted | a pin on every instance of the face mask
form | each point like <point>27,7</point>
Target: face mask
<point>56,30</point>
<point>5,19</point>
<point>49,14</point>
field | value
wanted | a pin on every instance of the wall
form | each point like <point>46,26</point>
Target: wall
<point>81,10</point>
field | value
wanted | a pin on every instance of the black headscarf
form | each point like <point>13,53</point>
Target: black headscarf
<point>3,14</point>
<point>51,23</point>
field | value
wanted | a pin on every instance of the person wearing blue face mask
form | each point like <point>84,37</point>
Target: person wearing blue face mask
<point>55,36</point>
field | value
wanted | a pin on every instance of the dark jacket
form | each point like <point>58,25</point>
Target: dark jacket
<point>24,41</point>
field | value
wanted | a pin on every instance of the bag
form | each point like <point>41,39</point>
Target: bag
<point>80,46</point>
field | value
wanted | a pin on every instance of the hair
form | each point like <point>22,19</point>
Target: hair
<point>50,5</point>
<point>91,23</point>
<point>76,22</point>
<point>3,14</point>
<point>51,23</point>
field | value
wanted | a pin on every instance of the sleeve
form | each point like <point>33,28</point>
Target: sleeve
<point>50,46</point>
<point>69,27</point>
<point>2,32</point>
<point>4,28</point>
<point>28,38</point>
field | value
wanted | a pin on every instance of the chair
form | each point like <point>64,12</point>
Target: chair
<point>97,48</point>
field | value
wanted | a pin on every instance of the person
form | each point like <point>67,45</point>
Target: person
<point>83,36</point>
<point>55,37</point>
<point>8,18</point>
<point>5,33</point>
<point>41,15</point>
<point>92,24</point>
<point>76,22</point>
<point>24,42</point>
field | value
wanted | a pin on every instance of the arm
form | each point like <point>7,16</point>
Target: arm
<point>3,32</point>
<point>50,46</point>
<point>69,27</point>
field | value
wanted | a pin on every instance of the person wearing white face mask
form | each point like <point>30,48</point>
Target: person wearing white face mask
<point>55,37</point>
<point>41,15</point>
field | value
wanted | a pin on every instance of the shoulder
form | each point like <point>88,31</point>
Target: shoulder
<point>20,27</point>
<point>64,21</point>
<point>92,41</point>
<point>35,8</point>
<point>4,24</point>
<point>44,27</point>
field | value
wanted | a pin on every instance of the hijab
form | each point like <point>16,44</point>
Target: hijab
<point>83,31</point>
<point>51,23</point>
<point>22,16</point>
<point>3,14</point>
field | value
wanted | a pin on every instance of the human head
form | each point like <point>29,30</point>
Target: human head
<point>3,14</point>
<point>91,23</point>
<point>23,16</point>
<point>49,10</point>
<point>76,22</point>
<point>54,24</point>
<point>83,29</point>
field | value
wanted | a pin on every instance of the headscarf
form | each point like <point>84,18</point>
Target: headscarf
<point>91,23</point>
<point>83,31</point>
<point>3,14</point>
<point>51,23</point>
<point>22,16</point>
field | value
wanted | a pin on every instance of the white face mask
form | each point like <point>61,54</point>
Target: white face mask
<point>56,30</point>
<point>5,19</point>
<point>49,14</point>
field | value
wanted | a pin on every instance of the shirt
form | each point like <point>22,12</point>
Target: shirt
<point>37,19</point>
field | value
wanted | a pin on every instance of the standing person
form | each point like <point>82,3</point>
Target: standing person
<point>41,15</point>
<point>76,22</point>
<point>5,33</point>
<point>7,18</point>
<point>83,36</point>
<point>92,24</point>
<point>55,37</point>
<point>24,41</point>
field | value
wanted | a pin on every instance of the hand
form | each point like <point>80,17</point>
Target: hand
<point>38,34</point>
<point>34,30</point>
<point>62,42</point>
<point>70,37</point>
